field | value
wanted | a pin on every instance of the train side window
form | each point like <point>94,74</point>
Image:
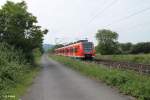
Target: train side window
<point>67,50</point>
<point>64,50</point>
<point>76,50</point>
<point>71,50</point>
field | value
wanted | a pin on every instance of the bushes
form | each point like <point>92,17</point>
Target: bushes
<point>128,82</point>
<point>139,48</point>
<point>37,55</point>
<point>143,47</point>
<point>12,67</point>
<point>125,48</point>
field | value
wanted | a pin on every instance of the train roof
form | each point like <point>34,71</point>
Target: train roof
<point>71,44</point>
<point>77,42</point>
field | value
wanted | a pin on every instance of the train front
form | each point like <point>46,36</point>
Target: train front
<point>88,50</point>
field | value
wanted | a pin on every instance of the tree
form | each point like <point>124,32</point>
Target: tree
<point>126,48</point>
<point>52,50</point>
<point>142,47</point>
<point>107,42</point>
<point>18,27</point>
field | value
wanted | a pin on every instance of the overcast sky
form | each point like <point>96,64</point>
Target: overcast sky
<point>69,20</point>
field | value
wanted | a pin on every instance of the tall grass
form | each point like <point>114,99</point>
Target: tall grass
<point>13,70</point>
<point>128,82</point>
<point>139,58</point>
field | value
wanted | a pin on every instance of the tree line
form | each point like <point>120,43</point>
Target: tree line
<point>19,28</point>
<point>20,46</point>
<point>108,44</point>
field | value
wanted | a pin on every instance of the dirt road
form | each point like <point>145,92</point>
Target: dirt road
<point>57,82</point>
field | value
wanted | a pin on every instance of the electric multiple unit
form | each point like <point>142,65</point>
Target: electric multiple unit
<point>79,49</point>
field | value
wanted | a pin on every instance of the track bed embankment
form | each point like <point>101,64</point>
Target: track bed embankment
<point>141,68</point>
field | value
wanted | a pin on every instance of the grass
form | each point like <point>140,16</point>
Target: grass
<point>27,80</point>
<point>139,58</point>
<point>128,82</point>
<point>19,89</point>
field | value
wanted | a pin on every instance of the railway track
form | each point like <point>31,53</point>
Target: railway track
<point>141,68</point>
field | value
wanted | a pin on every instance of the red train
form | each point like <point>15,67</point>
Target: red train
<point>79,49</point>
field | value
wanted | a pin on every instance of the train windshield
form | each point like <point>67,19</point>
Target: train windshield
<point>88,46</point>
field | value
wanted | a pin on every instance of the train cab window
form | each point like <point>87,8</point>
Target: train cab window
<point>88,46</point>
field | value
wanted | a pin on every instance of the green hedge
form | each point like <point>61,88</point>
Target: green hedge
<point>128,82</point>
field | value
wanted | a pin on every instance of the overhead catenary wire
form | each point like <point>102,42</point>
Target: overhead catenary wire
<point>103,10</point>
<point>128,16</point>
<point>99,13</point>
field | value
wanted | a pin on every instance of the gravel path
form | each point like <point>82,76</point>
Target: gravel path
<point>57,82</point>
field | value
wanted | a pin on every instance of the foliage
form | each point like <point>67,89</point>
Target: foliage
<point>125,48</point>
<point>52,50</point>
<point>128,82</point>
<point>143,47</point>
<point>37,55</point>
<point>129,48</point>
<point>18,27</point>
<point>107,42</point>
<point>13,69</point>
